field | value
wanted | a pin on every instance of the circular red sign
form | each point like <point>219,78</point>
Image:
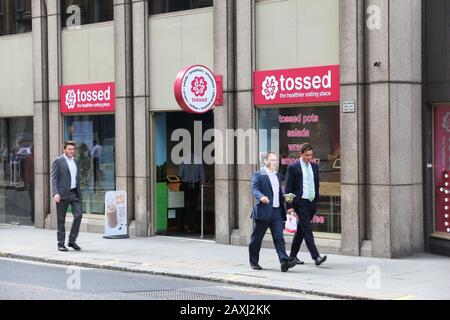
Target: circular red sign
<point>195,89</point>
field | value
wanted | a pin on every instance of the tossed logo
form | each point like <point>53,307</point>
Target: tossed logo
<point>446,122</point>
<point>71,99</point>
<point>199,86</point>
<point>270,88</point>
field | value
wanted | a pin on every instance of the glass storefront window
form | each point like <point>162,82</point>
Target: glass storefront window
<point>165,6</point>
<point>442,170</point>
<point>81,12</point>
<point>15,16</point>
<point>319,126</point>
<point>17,171</point>
<point>95,139</point>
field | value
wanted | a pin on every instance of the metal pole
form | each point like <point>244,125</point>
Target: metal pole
<point>202,211</point>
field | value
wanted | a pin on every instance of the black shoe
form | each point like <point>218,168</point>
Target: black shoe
<point>320,260</point>
<point>255,266</point>
<point>62,248</point>
<point>74,246</point>
<point>298,261</point>
<point>286,265</point>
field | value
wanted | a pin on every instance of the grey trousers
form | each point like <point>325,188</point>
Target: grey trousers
<point>61,211</point>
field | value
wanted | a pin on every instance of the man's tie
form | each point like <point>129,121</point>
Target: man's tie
<point>311,191</point>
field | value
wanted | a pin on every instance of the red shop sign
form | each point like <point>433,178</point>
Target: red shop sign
<point>297,86</point>
<point>88,98</point>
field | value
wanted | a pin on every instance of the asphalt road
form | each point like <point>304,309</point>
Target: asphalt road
<point>23,280</point>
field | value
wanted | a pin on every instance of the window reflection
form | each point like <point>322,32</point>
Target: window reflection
<point>17,171</point>
<point>95,138</point>
<point>81,12</point>
<point>165,6</point>
<point>15,16</point>
<point>319,126</point>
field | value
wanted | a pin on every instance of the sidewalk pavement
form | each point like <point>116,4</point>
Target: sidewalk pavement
<point>422,276</point>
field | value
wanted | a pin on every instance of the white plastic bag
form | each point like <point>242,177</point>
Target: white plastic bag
<point>291,223</point>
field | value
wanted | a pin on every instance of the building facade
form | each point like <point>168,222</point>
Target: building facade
<point>377,134</point>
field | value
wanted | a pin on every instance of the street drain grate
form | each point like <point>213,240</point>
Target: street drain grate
<point>176,295</point>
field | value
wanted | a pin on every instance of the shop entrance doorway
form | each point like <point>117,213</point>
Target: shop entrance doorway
<point>184,192</point>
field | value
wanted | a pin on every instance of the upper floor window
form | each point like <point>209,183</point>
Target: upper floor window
<point>164,6</point>
<point>15,16</point>
<point>75,13</point>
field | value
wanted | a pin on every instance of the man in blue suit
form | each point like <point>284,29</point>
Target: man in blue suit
<point>302,179</point>
<point>269,212</point>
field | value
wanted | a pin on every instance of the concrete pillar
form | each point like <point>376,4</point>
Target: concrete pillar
<point>224,57</point>
<point>394,170</point>
<point>353,222</point>
<point>245,115</point>
<point>141,90</point>
<point>55,143</point>
<point>40,110</point>
<point>124,101</point>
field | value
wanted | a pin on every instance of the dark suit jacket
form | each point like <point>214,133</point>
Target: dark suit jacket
<point>61,179</point>
<point>261,187</point>
<point>294,182</point>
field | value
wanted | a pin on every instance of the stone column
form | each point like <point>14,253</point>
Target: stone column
<point>245,115</point>
<point>141,90</point>
<point>394,118</point>
<point>124,101</point>
<point>40,110</point>
<point>55,143</point>
<point>353,222</point>
<point>225,178</point>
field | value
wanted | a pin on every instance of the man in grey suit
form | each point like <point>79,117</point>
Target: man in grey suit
<point>66,191</point>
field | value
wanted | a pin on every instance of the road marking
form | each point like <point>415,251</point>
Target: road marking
<point>270,292</point>
<point>109,263</point>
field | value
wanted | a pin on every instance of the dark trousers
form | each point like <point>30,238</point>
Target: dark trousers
<point>96,172</point>
<point>260,227</point>
<point>6,169</point>
<point>191,214</point>
<point>305,211</point>
<point>61,211</point>
<point>31,195</point>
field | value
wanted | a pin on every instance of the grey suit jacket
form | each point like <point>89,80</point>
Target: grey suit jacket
<point>61,179</point>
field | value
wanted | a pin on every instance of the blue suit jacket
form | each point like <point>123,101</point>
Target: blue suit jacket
<point>261,187</point>
<point>294,182</point>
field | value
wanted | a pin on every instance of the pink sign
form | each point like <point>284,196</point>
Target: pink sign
<point>88,98</point>
<point>297,86</point>
<point>196,89</point>
<point>442,168</point>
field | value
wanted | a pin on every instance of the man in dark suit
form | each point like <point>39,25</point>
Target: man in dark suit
<point>66,191</point>
<point>269,212</point>
<point>302,179</point>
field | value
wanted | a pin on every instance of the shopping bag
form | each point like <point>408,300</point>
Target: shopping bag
<point>291,223</point>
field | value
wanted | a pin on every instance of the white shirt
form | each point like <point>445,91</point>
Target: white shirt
<point>97,151</point>
<point>305,178</point>
<point>73,172</point>
<point>275,187</point>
